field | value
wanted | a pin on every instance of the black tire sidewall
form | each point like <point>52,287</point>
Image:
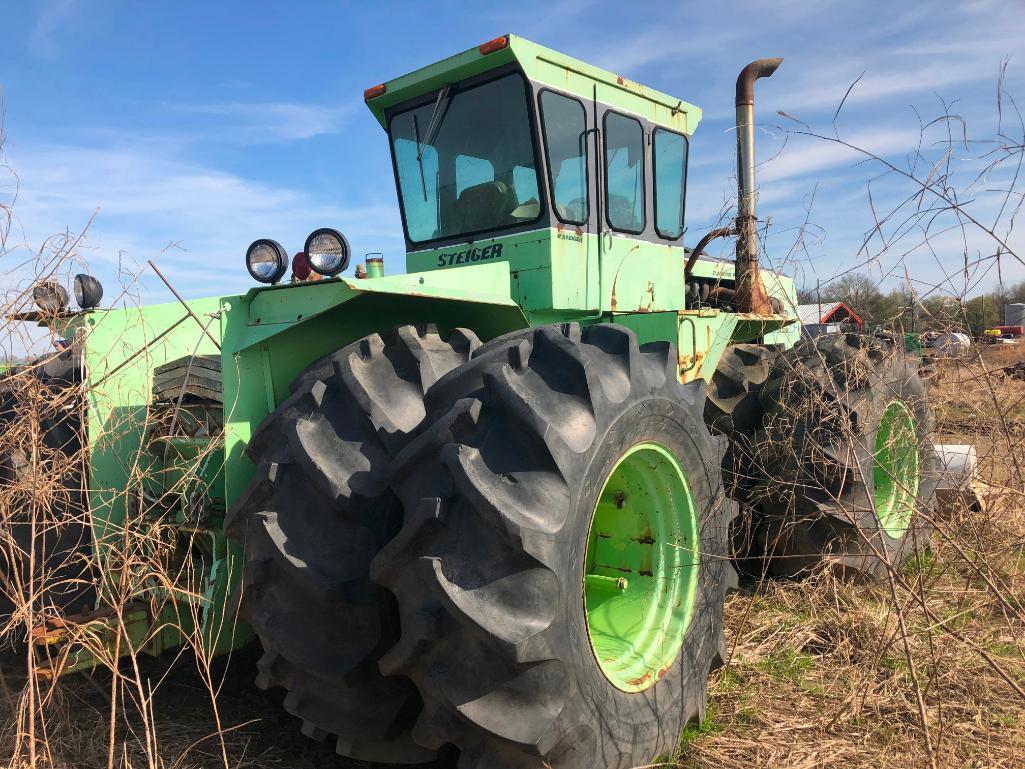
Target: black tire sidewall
<point>901,384</point>
<point>655,716</point>
<point>844,523</point>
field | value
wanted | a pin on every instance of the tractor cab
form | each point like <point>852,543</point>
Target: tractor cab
<point>574,176</point>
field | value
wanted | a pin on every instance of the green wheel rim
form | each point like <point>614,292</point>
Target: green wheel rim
<point>895,473</point>
<point>641,569</point>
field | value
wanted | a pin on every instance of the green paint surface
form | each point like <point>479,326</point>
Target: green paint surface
<point>543,65</point>
<point>641,568</point>
<point>122,348</point>
<point>895,472</point>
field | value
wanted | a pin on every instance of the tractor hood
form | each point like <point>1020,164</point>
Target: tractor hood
<point>342,302</point>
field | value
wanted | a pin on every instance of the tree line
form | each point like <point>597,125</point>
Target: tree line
<point>899,308</point>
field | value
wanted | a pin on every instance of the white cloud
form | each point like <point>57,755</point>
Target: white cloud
<point>148,199</point>
<point>53,15</point>
<point>880,84</point>
<point>260,122</point>
<point>804,156</point>
<point>663,43</point>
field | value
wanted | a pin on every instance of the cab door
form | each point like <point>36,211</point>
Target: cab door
<point>569,152</point>
<point>641,258</point>
<point>623,181</point>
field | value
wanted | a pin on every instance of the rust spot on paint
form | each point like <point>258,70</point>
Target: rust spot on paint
<point>650,291</point>
<point>646,539</point>
<point>691,363</point>
<point>614,568</point>
<point>639,680</point>
<point>645,573</point>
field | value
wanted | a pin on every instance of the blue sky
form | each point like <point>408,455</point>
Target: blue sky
<point>185,130</point>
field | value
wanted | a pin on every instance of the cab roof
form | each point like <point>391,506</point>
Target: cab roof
<point>545,66</point>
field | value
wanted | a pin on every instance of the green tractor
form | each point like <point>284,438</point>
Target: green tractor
<point>495,502</point>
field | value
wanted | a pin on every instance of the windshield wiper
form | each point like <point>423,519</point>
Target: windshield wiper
<point>434,123</point>
<point>419,156</point>
<point>432,126</point>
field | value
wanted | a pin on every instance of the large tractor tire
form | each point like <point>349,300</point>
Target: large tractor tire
<point>316,513</point>
<point>845,460</point>
<point>563,563</point>
<point>733,406</point>
<point>45,540</point>
<point>734,409</point>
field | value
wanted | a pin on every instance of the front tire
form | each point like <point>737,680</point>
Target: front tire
<point>317,511</point>
<point>567,477</point>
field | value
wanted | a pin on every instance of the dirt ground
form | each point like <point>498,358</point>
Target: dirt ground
<point>925,668</point>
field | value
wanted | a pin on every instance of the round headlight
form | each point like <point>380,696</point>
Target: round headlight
<point>50,296</point>
<point>327,251</point>
<point>88,291</point>
<point>266,260</point>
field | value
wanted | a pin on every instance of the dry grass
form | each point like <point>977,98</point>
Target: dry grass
<point>819,673</point>
<point>257,731</point>
<point>972,395</point>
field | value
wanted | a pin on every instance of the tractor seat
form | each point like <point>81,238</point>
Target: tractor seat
<point>484,206</point>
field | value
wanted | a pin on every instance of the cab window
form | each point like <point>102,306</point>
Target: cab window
<point>670,182</point>
<point>624,173</point>
<point>465,161</point>
<point>565,128</point>
<point>419,192</point>
<point>471,171</point>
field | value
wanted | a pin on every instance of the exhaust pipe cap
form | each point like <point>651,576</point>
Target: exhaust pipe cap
<point>750,73</point>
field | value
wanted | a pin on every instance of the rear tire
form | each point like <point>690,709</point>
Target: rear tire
<point>500,491</point>
<point>42,402</point>
<point>830,491</point>
<point>734,409</point>
<point>317,511</point>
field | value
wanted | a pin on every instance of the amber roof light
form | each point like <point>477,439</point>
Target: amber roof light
<point>494,45</point>
<point>377,90</point>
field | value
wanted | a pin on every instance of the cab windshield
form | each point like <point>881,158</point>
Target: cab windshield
<point>465,161</point>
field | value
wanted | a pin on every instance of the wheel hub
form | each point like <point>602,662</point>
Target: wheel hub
<point>641,568</point>
<point>895,472</point>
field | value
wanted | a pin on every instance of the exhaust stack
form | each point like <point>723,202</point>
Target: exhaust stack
<point>751,296</point>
